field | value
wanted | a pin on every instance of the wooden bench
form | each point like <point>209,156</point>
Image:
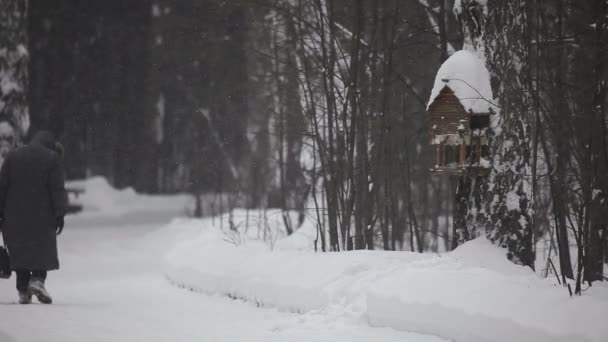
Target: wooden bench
<point>73,207</point>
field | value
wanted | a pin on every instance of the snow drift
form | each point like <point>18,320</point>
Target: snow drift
<point>99,198</point>
<point>472,294</point>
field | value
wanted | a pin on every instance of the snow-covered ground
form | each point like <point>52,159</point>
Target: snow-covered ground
<point>131,271</point>
<point>112,288</point>
<point>472,294</point>
<point>102,203</point>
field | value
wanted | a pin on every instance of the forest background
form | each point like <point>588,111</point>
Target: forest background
<point>316,106</point>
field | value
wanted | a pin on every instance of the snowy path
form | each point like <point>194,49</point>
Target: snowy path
<point>110,289</point>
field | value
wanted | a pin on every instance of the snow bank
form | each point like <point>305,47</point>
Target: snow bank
<point>468,78</point>
<point>472,294</point>
<point>99,198</point>
<point>290,280</point>
<point>483,297</point>
<point>301,240</point>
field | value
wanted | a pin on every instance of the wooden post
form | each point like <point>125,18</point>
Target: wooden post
<point>463,153</point>
<point>438,155</point>
<point>476,151</point>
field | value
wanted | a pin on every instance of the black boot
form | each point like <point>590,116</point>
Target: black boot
<point>25,298</point>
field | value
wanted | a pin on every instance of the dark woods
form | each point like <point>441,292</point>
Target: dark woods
<point>319,106</point>
<point>568,51</point>
<point>262,98</point>
<point>126,86</point>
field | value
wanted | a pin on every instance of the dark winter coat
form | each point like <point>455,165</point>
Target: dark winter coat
<point>32,197</point>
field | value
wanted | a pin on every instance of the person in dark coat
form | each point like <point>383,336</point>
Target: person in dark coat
<point>33,203</point>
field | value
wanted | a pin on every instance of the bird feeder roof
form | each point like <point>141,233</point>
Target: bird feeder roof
<point>468,78</point>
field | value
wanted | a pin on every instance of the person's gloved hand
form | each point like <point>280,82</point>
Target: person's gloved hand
<point>59,224</point>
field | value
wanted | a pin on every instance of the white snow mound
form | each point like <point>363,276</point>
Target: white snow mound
<point>99,198</point>
<point>468,78</point>
<point>472,294</point>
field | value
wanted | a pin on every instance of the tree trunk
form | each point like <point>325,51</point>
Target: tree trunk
<point>497,33</point>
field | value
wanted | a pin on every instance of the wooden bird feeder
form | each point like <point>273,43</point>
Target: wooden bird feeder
<point>459,137</point>
<point>460,107</point>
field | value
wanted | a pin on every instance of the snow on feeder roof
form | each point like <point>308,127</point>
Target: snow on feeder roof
<point>467,76</point>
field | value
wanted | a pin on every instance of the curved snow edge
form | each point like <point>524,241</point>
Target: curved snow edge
<point>452,323</point>
<point>471,295</point>
<point>381,309</point>
<point>229,287</point>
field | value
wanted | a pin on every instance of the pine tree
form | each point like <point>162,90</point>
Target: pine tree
<point>14,63</point>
